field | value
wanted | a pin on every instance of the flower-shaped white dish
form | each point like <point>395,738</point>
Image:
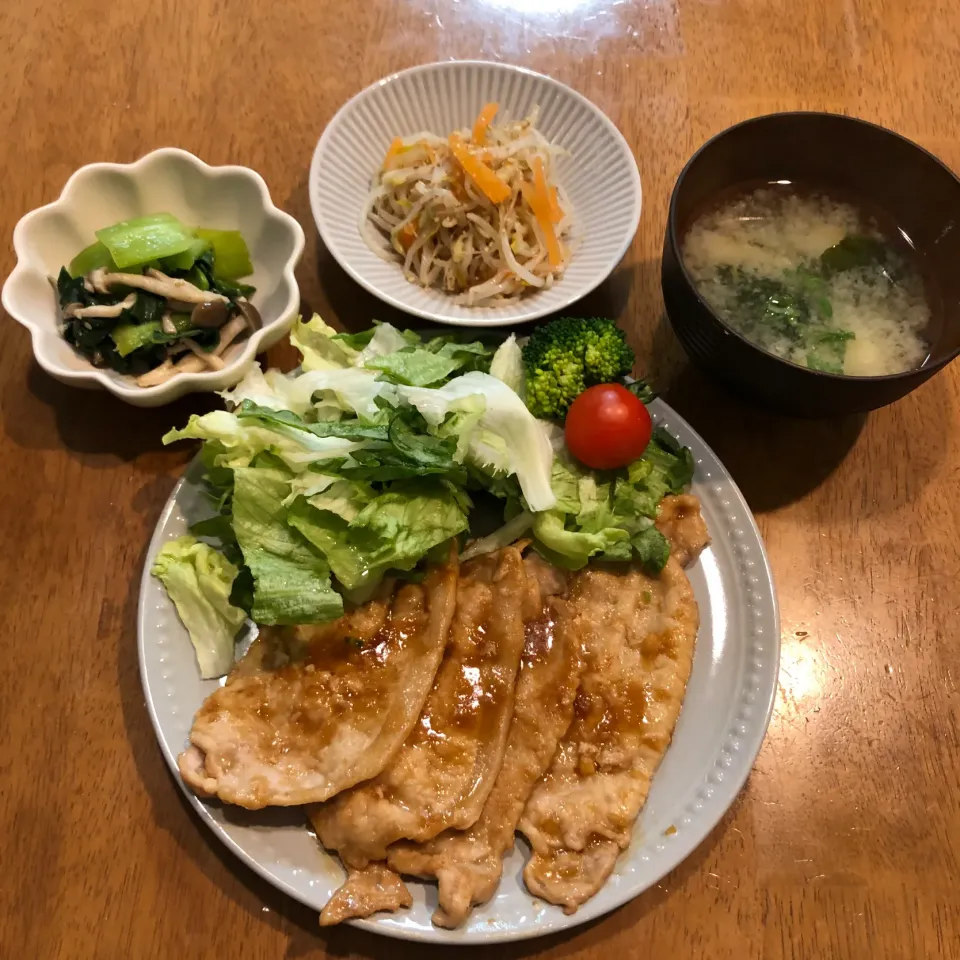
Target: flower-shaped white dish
<point>598,172</point>
<point>169,181</point>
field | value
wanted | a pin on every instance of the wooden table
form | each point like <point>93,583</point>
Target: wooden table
<point>845,841</point>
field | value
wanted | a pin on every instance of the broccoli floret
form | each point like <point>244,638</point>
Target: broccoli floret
<point>564,357</point>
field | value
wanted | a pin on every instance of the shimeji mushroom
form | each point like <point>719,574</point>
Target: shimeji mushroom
<point>208,310</point>
<point>79,312</point>
<point>198,359</point>
<point>157,283</point>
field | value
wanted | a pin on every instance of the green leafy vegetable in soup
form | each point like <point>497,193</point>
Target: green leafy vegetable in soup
<point>809,280</point>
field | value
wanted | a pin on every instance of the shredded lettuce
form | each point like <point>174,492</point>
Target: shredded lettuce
<point>391,531</point>
<point>612,515</point>
<point>326,479</point>
<point>291,578</point>
<point>572,547</point>
<point>241,439</point>
<point>507,365</point>
<point>319,346</point>
<point>506,438</point>
<point>198,580</point>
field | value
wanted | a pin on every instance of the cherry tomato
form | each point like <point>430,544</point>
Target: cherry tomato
<point>607,427</point>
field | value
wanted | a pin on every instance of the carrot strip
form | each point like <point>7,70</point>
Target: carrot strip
<point>407,236</point>
<point>395,147</point>
<point>482,175</point>
<point>483,121</point>
<point>538,196</point>
<point>556,214</point>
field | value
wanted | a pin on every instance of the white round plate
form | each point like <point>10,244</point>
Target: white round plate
<point>598,173</point>
<point>725,714</point>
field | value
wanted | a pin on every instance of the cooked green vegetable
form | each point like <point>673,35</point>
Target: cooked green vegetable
<point>854,250</point>
<point>231,258</point>
<point>133,336</point>
<point>113,322</point>
<point>564,357</point>
<point>94,257</point>
<point>186,259</point>
<point>794,310</point>
<point>144,239</point>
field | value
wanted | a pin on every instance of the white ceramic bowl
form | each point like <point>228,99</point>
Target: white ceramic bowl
<point>170,181</point>
<point>599,174</point>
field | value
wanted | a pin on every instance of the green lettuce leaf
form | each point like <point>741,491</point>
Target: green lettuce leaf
<point>394,531</point>
<point>330,535</point>
<point>596,512</point>
<point>316,395</point>
<point>291,578</point>
<point>240,441</point>
<point>198,580</point>
<point>507,438</point>
<point>356,341</point>
<point>462,419</point>
<point>320,347</point>
<point>409,437</point>
<point>414,366</point>
<point>651,548</point>
<point>667,454</point>
<point>569,547</point>
<point>507,365</point>
<point>289,424</point>
<point>641,500</point>
<point>400,526</point>
<point>386,339</point>
<point>470,355</point>
<point>611,515</point>
<point>345,498</point>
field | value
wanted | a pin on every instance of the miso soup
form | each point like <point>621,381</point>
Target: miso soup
<point>813,280</point>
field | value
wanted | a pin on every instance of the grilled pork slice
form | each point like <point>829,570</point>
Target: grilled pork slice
<point>313,710</point>
<point>638,639</point>
<point>445,770</point>
<point>468,863</point>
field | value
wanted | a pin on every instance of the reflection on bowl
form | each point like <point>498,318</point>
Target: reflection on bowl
<point>841,156</point>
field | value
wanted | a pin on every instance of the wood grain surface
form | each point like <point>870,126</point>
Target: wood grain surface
<point>845,841</point>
